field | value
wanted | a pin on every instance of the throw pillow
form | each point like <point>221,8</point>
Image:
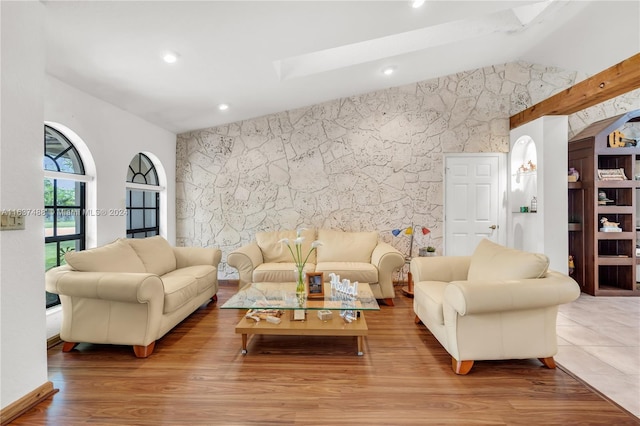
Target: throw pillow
<point>156,254</point>
<point>491,261</point>
<point>117,256</point>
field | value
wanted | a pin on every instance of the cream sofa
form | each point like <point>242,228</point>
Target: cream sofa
<point>131,291</point>
<point>357,256</point>
<point>498,303</point>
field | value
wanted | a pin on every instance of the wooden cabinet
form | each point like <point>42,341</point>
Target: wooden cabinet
<point>605,262</point>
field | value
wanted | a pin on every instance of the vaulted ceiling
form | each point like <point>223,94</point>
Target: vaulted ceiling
<point>264,57</point>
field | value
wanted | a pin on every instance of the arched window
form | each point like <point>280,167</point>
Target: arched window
<point>64,201</point>
<point>143,198</point>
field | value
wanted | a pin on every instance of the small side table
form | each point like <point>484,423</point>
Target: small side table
<point>408,289</point>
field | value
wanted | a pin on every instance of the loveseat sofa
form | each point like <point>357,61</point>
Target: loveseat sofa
<point>131,291</point>
<point>357,256</point>
<point>498,303</point>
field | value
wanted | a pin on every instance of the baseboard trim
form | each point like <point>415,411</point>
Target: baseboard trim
<point>24,404</point>
<point>53,341</point>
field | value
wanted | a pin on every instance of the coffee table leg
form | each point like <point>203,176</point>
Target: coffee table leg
<point>244,344</point>
<point>360,345</point>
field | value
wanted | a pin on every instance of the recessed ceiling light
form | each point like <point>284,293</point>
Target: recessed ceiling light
<point>388,70</point>
<point>417,3</point>
<point>223,107</point>
<point>170,57</point>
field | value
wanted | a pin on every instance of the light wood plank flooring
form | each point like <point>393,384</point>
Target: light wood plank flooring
<point>197,376</point>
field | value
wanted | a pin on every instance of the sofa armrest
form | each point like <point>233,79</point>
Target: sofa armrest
<point>126,287</point>
<point>191,256</point>
<point>387,259</point>
<point>479,297</point>
<point>245,259</point>
<point>440,268</point>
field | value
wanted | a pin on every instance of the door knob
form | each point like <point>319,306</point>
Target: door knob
<point>493,227</point>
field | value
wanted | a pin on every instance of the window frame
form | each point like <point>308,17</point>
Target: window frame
<point>80,205</point>
<point>145,188</point>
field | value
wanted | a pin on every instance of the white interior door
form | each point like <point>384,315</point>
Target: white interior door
<point>474,201</point>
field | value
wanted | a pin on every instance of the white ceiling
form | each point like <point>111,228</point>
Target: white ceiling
<point>264,57</point>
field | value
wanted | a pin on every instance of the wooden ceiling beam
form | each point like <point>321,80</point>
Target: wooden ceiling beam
<point>614,81</point>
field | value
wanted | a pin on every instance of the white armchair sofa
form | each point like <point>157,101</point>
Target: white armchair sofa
<point>499,303</point>
<point>131,291</point>
<point>357,256</point>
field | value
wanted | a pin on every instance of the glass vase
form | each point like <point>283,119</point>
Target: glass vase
<point>299,279</point>
<point>301,291</point>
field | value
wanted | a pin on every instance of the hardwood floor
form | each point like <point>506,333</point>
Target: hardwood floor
<point>197,376</point>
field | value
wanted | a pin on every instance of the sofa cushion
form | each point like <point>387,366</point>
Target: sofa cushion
<point>273,251</point>
<point>283,272</point>
<point>205,275</point>
<point>353,271</point>
<point>491,261</point>
<point>340,246</point>
<point>156,254</point>
<point>178,290</point>
<point>117,256</point>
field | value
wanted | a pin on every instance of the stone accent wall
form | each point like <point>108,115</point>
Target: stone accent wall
<point>367,162</point>
<point>620,105</point>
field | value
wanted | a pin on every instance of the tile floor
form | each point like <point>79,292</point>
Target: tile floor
<point>599,341</point>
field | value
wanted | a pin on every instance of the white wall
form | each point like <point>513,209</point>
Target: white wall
<point>23,352</point>
<point>547,230</point>
<point>113,136</point>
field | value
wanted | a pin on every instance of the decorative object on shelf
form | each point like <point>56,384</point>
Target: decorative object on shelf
<point>617,139</point>
<point>265,314</point>
<point>534,205</point>
<point>609,226</point>
<point>325,315</point>
<point>344,287</point>
<point>573,175</point>
<point>315,285</point>
<point>298,259</point>
<point>524,209</point>
<point>347,293</point>
<point>611,174</point>
<point>572,266</point>
<point>602,199</point>
<point>427,251</point>
<point>530,167</point>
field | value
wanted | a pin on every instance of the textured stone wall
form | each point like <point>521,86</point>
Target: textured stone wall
<point>624,103</point>
<point>368,162</point>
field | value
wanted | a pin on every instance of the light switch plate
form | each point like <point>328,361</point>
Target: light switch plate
<point>13,221</point>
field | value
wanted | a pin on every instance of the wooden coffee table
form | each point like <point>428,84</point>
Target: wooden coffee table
<point>281,297</point>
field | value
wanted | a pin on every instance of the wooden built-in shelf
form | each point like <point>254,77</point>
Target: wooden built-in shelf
<point>605,262</point>
<point>616,235</point>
